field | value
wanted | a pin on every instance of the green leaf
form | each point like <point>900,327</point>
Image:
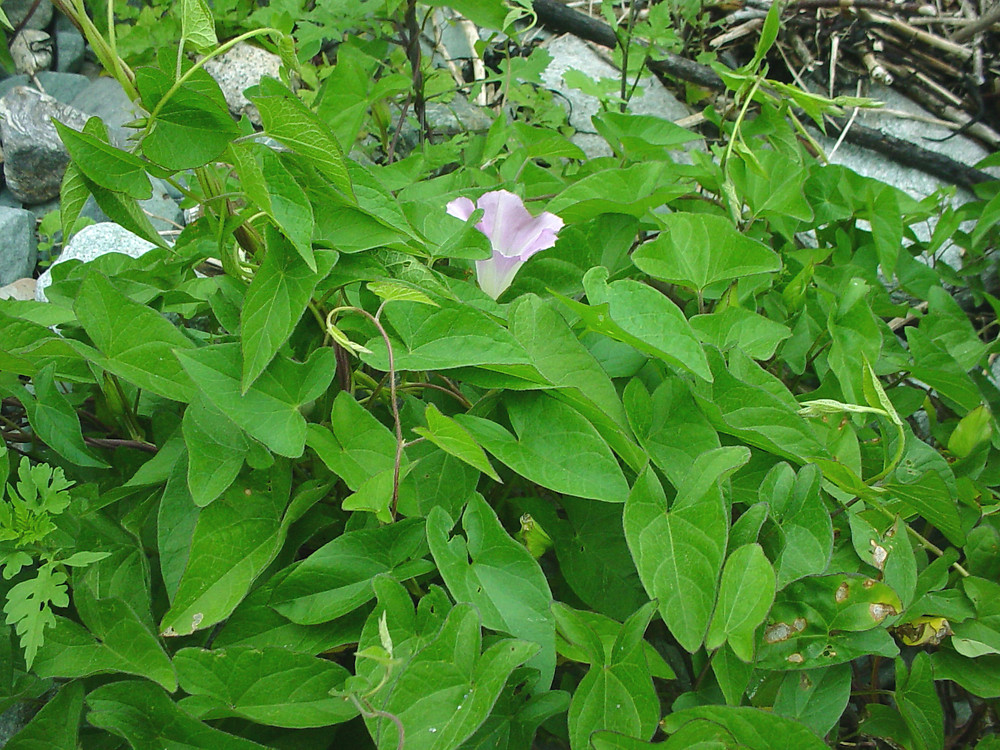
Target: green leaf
<point>633,190</point>
<point>192,127</point>
<point>697,250</point>
<point>397,291</point>
<point>29,606</point>
<point>235,538</point>
<point>116,641</point>
<point>121,209</point>
<point>749,727</point>
<point>144,714</point>
<point>930,497</point>
<point>73,194</point>
<point>356,446</point>
<point>452,438</point>
<point>502,580</point>
<point>679,552</point>
<point>489,13</point>
<point>935,366</point>
<point>274,303</point>
<point>825,620</point>
<point>105,165</point>
<point>558,355</point>
<point>972,430</point>
<point>56,726</point>
<point>444,688</point>
<point>619,698</point>
<point>918,702</point>
<point>266,685</point>
<point>289,121</point>
<point>578,463</point>
<point>750,404</point>
<point>54,419</point>
<point>756,335</point>
<point>453,335</point>
<point>983,681</point>
<point>216,448</point>
<point>592,552</point>
<point>574,627</point>
<point>640,316</point>
<point>799,535</point>
<point>337,578</point>
<point>732,673</point>
<point>288,206</point>
<point>197,25</point>
<point>269,410</point>
<point>138,343</point>
<point>669,426</point>
<point>745,596</point>
<point>815,697</point>
<point>641,136</point>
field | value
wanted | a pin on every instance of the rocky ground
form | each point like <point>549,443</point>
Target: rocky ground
<point>69,88</point>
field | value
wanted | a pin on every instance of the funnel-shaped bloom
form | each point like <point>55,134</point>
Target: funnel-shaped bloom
<point>514,234</point>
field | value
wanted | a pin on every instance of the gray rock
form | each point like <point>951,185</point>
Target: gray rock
<point>457,116</point>
<point>914,182</point>
<point>571,53</point>
<point>18,244</point>
<point>9,200</point>
<point>162,208</point>
<point>106,98</point>
<point>14,719</point>
<point>22,289</point>
<point>41,210</point>
<point>8,84</point>
<point>63,87</point>
<point>31,51</point>
<point>34,157</point>
<point>92,242</point>
<point>70,46</point>
<point>16,11</point>
<point>240,68</point>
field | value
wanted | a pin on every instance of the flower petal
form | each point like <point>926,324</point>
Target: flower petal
<point>512,230</point>
<point>497,273</point>
<point>462,208</point>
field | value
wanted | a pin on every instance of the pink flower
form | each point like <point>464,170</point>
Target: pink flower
<point>514,233</point>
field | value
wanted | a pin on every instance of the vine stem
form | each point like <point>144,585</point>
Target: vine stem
<point>392,394</point>
<point>370,712</point>
<point>220,50</point>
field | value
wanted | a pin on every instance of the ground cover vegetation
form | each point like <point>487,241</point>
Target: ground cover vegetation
<point>336,467</point>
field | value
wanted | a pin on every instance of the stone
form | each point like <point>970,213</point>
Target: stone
<point>34,156</point>
<point>928,135</point>
<point>18,244</point>
<point>63,87</point>
<point>70,46</point>
<point>8,199</point>
<point>14,719</point>
<point>92,242</point>
<point>571,53</point>
<point>240,68</point>
<point>22,289</point>
<point>162,208</point>
<point>31,51</point>
<point>17,10</point>
<point>457,116</point>
<point>914,182</point>
<point>106,98</point>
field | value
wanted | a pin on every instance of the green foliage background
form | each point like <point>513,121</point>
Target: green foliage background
<point>718,470</point>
